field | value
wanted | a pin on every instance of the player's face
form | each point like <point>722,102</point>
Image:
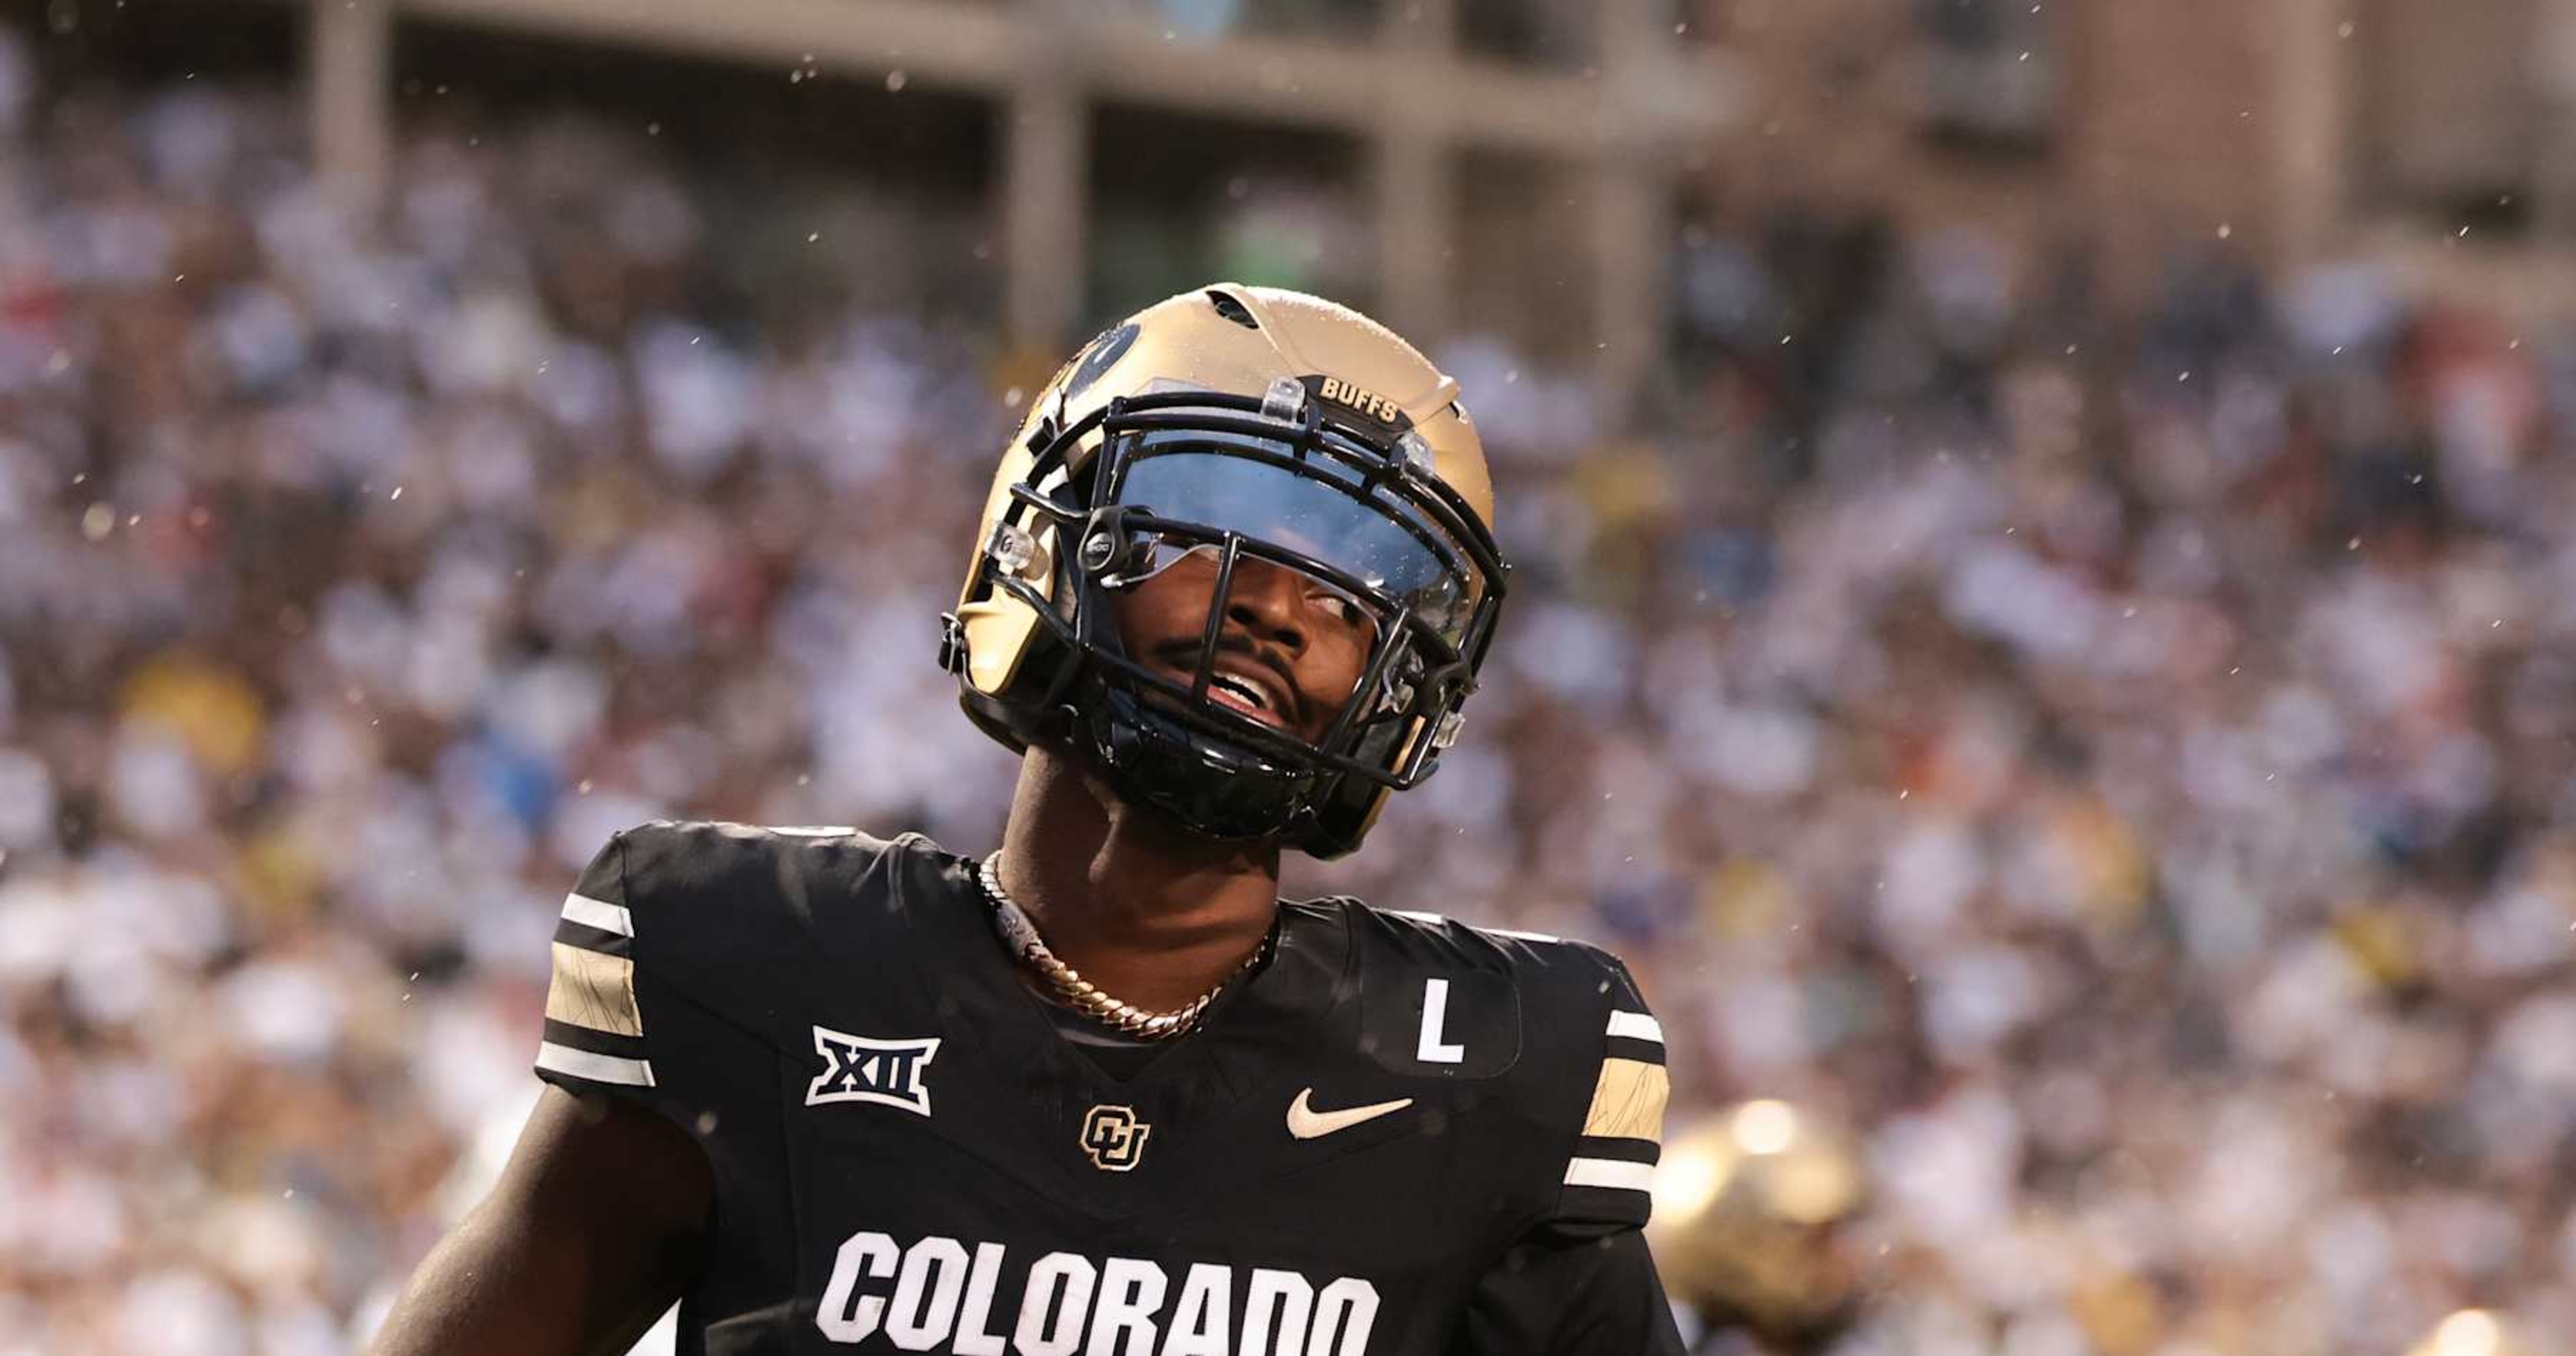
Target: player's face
<point>1291,650</point>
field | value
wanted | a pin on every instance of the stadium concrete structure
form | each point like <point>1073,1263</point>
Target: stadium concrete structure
<point>2435,139</point>
<point>1399,86</point>
<point>2289,132</point>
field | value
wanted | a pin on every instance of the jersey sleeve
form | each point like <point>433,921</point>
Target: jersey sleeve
<point>653,996</point>
<point>1609,1173</point>
<point>1570,1297</point>
<point>683,957</point>
<point>595,1034</point>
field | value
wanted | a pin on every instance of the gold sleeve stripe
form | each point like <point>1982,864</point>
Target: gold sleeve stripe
<point>1610,1172</point>
<point>600,914</point>
<point>1628,1102</point>
<point>594,991</point>
<point>563,1059</point>
<point>1638,1026</point>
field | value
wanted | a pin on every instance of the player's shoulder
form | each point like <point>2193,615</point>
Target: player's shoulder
<point>1554,1026</point>
<point>1543,1007</point>
<point>712,907</point>
<point>685,861</point>
<point>1556,978</point>
<point>684,939</point>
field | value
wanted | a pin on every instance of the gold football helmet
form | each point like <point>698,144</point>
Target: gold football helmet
<point>1244,423</point>
<point>2484,1332</point>
<point>1745,1228</point>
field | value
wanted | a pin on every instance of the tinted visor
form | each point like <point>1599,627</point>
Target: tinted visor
<point>1319,507</point>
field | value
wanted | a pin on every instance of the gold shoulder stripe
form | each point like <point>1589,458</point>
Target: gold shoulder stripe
<point>1628,1102</point>
<point>595,991</point>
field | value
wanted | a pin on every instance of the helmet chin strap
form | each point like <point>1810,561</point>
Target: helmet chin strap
<point>1210,785</point>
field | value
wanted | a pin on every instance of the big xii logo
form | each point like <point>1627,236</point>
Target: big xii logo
<point>859,1069</point>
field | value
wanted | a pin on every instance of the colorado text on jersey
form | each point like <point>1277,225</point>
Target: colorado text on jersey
<point>932,1296</point>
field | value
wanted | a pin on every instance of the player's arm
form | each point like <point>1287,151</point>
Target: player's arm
<point>601,1217</point>
<point>1579,1281</point>
<point>1571,1297</point>
<point>597,1225</point>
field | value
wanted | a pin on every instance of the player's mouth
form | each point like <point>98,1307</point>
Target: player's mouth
<point>1246,696</point>
<point>1243,685</point>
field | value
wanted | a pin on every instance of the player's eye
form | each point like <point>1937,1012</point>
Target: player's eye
<point>1340,606</point>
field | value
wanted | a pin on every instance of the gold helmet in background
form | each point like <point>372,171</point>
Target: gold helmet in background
<point>1748,1205</point>
<point>2484,1332</point>
<point>1249,423</point>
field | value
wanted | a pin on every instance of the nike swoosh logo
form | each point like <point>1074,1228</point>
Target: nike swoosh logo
<point>1305,1122</point>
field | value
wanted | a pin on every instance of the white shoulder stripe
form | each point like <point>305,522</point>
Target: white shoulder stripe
<point>563,1059</point>
<point>1420,917</point>
<point>1637,1026</point>
<point>1610,1172</point>
<point>1524,936</point>
<point>600,914</point>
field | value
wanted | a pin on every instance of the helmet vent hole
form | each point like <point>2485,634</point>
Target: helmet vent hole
<point>1226,305</point>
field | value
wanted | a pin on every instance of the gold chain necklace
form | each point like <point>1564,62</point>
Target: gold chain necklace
<point>1021,936</point>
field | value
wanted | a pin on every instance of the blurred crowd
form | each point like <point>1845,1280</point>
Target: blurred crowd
<point>2122,773</point>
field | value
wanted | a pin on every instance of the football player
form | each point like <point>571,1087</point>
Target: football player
<point>1103,1093</point>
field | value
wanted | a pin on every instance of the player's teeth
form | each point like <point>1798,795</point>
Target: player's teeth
<point>1246,690</point>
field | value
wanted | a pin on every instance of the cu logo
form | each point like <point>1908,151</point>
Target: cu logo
<point>1114,1138</point>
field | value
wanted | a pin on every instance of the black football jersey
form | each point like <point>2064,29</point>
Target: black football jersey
<point>1397,1136</point>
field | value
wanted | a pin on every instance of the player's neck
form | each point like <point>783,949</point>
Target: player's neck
<point>1146,910</point>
